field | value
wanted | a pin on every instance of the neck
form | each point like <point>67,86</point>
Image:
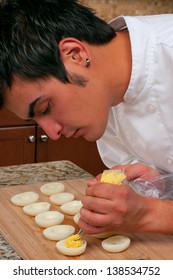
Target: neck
<point>113,61</point>
<point>119,57</point>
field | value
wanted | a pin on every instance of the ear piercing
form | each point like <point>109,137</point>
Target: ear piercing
<point>88,62</point>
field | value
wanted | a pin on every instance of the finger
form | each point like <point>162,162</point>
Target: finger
<point>102,190</point>
<point>89,228</point>
<point>95,180</point>
<point>140,170</point>
<point>98,177</point>
<point>94,219</point>
<point>92,182</point>
<point>98,205</point>
<point>120,167</point>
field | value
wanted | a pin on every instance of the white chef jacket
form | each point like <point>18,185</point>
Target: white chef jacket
<point>140,129</point>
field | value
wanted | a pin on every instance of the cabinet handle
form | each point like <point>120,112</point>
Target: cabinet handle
<point>31,138</point>
<point>44,138</point>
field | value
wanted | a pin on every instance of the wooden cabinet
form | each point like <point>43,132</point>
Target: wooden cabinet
<point>25,142</point>
<point>15,147</point>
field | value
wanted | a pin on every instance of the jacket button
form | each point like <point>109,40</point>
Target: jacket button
<point>151,108</point>
<point>169,161</point>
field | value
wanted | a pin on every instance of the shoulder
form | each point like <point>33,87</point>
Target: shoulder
<point>161,25</point>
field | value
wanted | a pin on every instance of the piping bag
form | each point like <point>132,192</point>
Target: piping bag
<point>159,187</point>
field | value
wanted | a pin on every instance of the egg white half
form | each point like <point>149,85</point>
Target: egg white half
<point>61,198</point>
<point>116,243</point>
<point>35,208</point>
<point>24,198</point>
<point>58,232</point>
<point>49,218</point>
<point>72,207</point>
<point>52,188</point>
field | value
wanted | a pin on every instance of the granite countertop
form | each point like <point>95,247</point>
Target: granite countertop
<point>35,173</point>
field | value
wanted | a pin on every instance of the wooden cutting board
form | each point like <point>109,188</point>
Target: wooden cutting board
<point>26,237</point>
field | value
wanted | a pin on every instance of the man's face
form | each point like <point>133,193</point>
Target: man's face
<point>60,109</point>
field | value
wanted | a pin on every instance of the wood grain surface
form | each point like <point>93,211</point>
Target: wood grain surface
<point>26,237</point>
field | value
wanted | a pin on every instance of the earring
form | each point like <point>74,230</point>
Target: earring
<point>88,62</point>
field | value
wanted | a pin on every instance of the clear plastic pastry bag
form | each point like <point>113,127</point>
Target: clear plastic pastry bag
<point>158,187</point>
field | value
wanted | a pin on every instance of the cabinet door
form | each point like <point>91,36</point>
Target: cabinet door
<point>9,119</point>
<point>17,146</point>
<point>79,151</point>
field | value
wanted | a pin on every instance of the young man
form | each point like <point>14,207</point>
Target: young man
<point>78,76</point>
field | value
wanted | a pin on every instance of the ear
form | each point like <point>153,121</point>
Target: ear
<point>73,51</point>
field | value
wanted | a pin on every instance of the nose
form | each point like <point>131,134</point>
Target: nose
<point>51,128</point>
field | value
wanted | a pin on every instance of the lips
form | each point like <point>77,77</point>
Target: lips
<point>75,134</point>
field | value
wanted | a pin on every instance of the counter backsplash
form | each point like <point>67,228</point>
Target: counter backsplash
<point>108,9</point>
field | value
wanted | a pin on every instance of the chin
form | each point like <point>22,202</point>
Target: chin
<point>91,138</point>
<point>96,135</point>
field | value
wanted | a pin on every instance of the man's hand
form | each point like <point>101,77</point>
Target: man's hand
<point>109,207</point>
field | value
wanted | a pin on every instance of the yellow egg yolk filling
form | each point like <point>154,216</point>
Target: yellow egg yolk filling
<point>113,177</point>
<point>73,241</point>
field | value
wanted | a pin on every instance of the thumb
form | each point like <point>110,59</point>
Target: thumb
<point>92,182</point>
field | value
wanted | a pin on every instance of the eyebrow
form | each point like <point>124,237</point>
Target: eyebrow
<point>32,105</point>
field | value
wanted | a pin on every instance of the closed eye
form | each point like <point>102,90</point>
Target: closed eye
<point>47,110</point>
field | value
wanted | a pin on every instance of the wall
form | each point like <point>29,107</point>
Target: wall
<point>108,9</point>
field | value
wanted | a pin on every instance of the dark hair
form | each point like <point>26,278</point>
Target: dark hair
<point>31,30</point>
